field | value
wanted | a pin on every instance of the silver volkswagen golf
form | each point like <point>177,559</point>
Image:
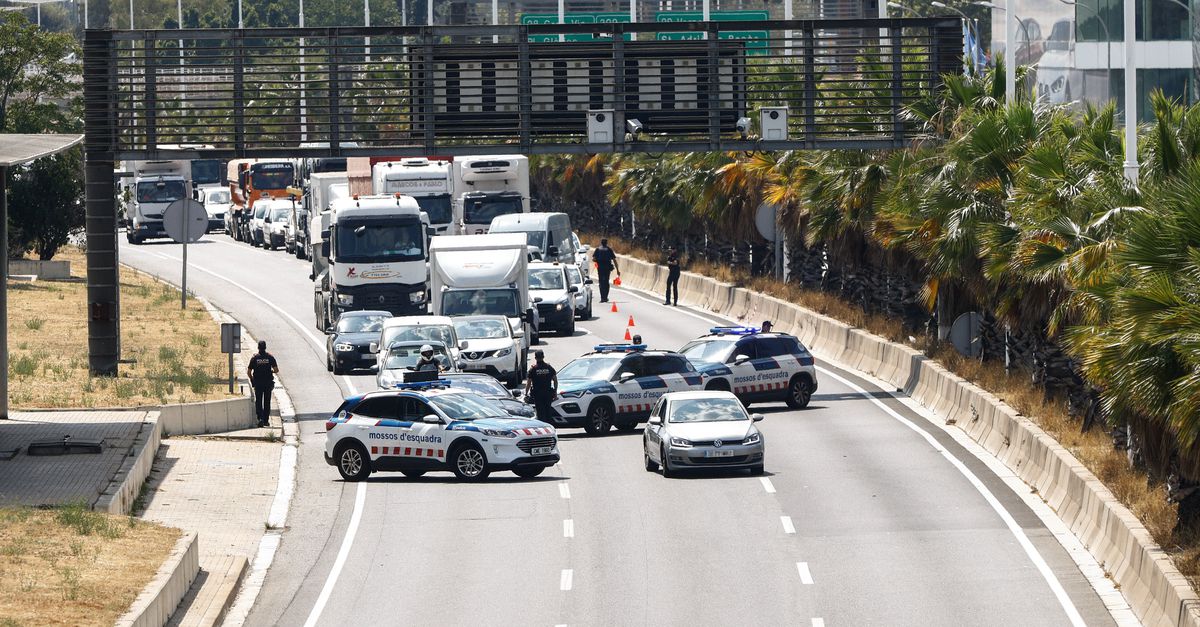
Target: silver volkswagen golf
<point>708,429</point>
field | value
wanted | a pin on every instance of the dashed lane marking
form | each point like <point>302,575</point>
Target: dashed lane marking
<point>788,527</point>
<point>564,490</point>
<point>568,528</point>
<point>565,580</point>
<point>805,575</point>
<point>767,485</point>
<point>818,622</point>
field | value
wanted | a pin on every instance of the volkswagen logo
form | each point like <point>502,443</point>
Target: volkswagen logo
<point>717,443</point>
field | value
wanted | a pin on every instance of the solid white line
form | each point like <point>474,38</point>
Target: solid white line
<point>767,485</point>
<point>347,541</point>
<point>1038,561</point>
<point>565,580</point>
<point>564,490</point>
<point>805,576</point>
<point>568,528</point>
<point>818,622</point>
<point>788,527</point>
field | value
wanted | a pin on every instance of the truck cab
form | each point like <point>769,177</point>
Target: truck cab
<point>486,187</point>
<point>426,180</point>
<point>472,275</point>
<point>154,186</point>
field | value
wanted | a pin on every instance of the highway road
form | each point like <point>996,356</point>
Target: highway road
<point>859,519</point>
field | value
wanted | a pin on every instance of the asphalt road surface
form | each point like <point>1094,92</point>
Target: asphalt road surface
<point>858,520</point>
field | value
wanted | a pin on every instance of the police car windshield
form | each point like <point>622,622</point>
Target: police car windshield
<point>443,333</point>
<point>406,356</point>
<point>595,368</point>
<point>707,410</point>
<point>714,351</point>
<point>360,324</point>
<point>482,329</point>
<point>466,406</point>
<point>484,386</point>
<point>546,279</point>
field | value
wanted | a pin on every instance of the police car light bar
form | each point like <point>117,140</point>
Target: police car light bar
<point>423,385</point>
<point>733,330</point>
<point>619,348</point>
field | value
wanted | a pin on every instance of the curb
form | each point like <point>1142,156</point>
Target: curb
<point>1154,588</point>
<point>126,485</point>
<point>158,600</point>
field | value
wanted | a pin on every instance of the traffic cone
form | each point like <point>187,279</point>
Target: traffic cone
<point>631,322</point>
<point>617,281</point>
<point>628,337</point>
<point>614,309</point>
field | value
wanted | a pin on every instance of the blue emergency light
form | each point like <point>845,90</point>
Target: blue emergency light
<point>422,385</point>
<point>733,330</point>
<point>619,348</point>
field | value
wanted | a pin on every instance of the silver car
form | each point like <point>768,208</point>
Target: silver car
<point>401,357</point>
<point>709,429</point>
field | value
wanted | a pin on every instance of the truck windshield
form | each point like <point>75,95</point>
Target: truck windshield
<point>160,191</point>
<point>333,164</point>
<point>277,176</point>
<point>218,197</point>
<point>206,171</point>
<point>279,213</point>
<point>379,241</point>
<point>483,302</point>
<point>438,208</point>
<point>546,279</point>
<point>484,210</point>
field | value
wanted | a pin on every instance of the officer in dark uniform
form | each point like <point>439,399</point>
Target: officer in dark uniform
<point>261,372</point>
<point>606,262</point>
<point>542,385</point>
<point>672,275</point>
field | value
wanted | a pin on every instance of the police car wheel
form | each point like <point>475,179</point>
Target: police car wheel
<point>353,463</point>
<point>413,474</point>
<point>799,393</point>
<point>599,419</point>
<point>528,472</point>
<point>469,463</point>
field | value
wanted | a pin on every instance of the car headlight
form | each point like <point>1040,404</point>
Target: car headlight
<point>343,348</point>
<point>504,352</point>
<point>416,297</point>
<point>681,443</point>
<point>575,394</point>
<point>559,306</point>
<point>498,433</point>
<point>753,438</point>
<point>345,299</point>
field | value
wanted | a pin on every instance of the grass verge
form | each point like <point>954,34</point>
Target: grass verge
<point>73,566</point>
<point>1146,498</point>
<point>177,352</point>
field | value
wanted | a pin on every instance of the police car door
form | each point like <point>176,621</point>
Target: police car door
<point>631,399</point>
<point>382,437</point>
<point>741,363</point>
<point>423,444</point>
<point>770,377</point>
<point>659,377</point>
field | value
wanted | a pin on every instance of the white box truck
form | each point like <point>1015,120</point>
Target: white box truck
<point>323,189</point>
<point>152,187</point>
<point>483,275</point>
<point>377,255</point>
<point>486,187</point>
<point>428,181</point>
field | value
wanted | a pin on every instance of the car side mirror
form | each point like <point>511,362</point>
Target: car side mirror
<point>625,376</point>
<point>374,347</point>
<point>655,420</point>
<point>518,334</point>
<point>574,289</point>
<point>431,419</point>
<point>756,417</point>
<point>741,359</point>
<point>462,345</point>
<point>537,299</point>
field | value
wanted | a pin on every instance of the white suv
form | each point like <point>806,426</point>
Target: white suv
<point>490,347</point>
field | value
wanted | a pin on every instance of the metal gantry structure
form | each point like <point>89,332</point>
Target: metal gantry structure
<point>461,90</point>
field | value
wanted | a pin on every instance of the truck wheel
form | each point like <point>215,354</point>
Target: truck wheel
<point>469,463</point>
<point>528,472</point>
<point>352,461</point>
<point>799,392</point>
<point>599,418</point>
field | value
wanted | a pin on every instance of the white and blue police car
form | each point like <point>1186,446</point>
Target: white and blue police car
<point>617,385</point>
<point>757,367</point>
<point>418,427</point>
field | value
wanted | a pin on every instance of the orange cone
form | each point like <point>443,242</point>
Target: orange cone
<point>617,281</point>
<point>628,337</point>
<point>631,322</point>
<point>614,309</point>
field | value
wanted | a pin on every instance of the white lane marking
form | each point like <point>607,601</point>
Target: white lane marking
<point>568,528</point>
<point>564,490</point>
<point>805,576</point>
<point>767,485</point>
<point>1040,563</point>
<point>566,579</point>
<point>788,527</point>
<point>818,622</point>
<point>347,541</point>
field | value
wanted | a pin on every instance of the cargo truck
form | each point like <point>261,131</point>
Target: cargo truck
<point>151,186</point>
<point>428,181</point>
<point>488,186</point>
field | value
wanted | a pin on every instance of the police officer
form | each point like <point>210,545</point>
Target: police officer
<point>672,275</point>
<point>637,339</point>
<point>542,385</point>
<point>606,262</point>
<point>427,360</point>
<point>261,372</point>
<point>766,326</point>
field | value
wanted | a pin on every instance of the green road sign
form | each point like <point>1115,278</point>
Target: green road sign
<point>573,18</point>
<point>756,40</point>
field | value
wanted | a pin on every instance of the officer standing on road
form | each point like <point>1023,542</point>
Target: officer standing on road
<point>261,372</point>
<point>672,275</point>
<point>606,262</point>
<point>542,384</point>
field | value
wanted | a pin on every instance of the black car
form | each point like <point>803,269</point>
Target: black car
<point>348,345</point>
<point>491,389</point>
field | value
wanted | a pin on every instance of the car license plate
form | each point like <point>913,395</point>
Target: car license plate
<point>541,450</point>
<point>718,453</point>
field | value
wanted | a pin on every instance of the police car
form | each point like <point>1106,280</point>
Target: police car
<point>618,384</point>
<point>418,427</point>
<point>755,366</point>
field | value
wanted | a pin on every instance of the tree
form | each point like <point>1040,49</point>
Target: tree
<point>46,202</point>
<point>35,66</point>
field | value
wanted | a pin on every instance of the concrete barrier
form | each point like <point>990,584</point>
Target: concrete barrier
<point>1154,588</point>
<point>44,270</point>
<point>158,600</point>
<point>126,485</point>
<point>219,416</point>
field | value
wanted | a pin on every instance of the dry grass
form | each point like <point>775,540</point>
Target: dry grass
<point>1145,498</point>
<point>177,352</point>
<point>73,566</point>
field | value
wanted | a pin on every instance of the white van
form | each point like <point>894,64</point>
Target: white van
<point>549,233</point>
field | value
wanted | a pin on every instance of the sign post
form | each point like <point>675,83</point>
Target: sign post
<point>231,342</point>
<point>185,221</point>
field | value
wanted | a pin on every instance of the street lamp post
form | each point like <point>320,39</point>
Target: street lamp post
<point>1131,104</point>
<point>974,33</point>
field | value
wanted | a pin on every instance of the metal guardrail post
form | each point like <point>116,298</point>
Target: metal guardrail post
<point>239,94</point>
<point>524,88</point>
<point>427,90</point>
<point>714,87</point>
<point>897,92</point>
<point>810,85</point>
<point>619,102</point>
<point>335,101</point>
<point>100,203</point>
<point>151,70</point>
